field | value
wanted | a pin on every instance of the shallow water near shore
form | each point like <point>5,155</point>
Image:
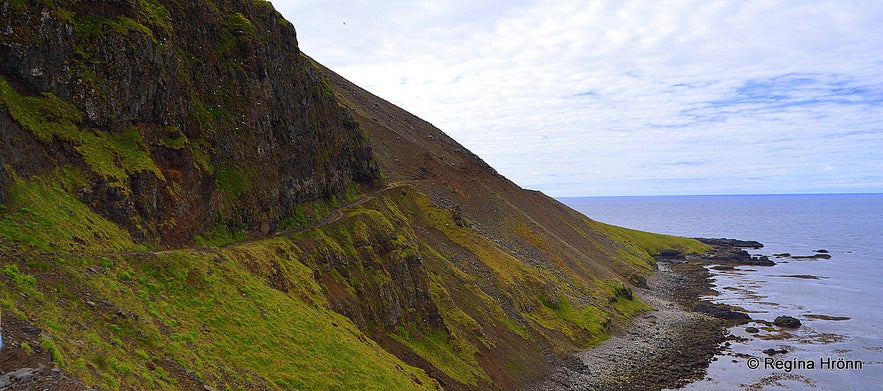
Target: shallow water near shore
<point>837,300</point>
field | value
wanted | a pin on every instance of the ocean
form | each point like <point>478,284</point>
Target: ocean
<point>839,301</point>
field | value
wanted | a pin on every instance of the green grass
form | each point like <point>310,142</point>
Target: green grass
<point>44,215</point>
<point>237,28</point>
<point>155,14</point>
<point>638,247</point>
<point>239,25</point>
<point>111,155</point>
<point>453,356</point>
<point>233,181</point>
<point>213,314</point>
<point>221,234</point>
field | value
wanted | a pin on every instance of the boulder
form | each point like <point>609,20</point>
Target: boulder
<point>721,311</point>
<point>787,322</point>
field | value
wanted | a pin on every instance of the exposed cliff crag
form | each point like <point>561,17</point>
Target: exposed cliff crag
<point>189,202</point>
<point>177,117</point>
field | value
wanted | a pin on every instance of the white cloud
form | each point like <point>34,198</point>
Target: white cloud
<point>628,97</point>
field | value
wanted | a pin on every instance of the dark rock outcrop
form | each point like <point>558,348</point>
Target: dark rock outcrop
<point>723,242</point>
<point>814,256</point>
<point>787,322</point>
<point>238,126</point>
<point>721,311</point>
<point>730,251</point>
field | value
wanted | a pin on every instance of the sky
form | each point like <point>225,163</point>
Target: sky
<point>592,98</point>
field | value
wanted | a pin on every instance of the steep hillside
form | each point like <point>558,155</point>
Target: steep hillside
<point>188,202</point>
<point>528,278</point>
<point>177,118</point>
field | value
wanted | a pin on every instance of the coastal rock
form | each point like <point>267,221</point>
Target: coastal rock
<point>671,254</point>
<point>724,267</point>
<point>638,280</point>
<point>814,256</point>
<point>761,260</point>
<point>787,322</point>
<point>773,352</point>
<point>721,311</point>
<point>752,330</point>
<point>730,251</point>
<point>823,251</point>
<point>723,242</point>
<point>727,254</point>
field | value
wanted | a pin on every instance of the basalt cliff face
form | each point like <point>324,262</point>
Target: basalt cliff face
<point>206,113</point>
<point>189,202</point>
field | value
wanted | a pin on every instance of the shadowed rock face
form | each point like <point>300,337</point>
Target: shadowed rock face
<point>238,124</point>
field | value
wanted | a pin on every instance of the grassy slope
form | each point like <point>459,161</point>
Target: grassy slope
<point>149,318</point>
<point>116,315</point>
<point>513,275</point>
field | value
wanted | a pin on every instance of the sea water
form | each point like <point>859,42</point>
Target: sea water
<point>839,301</point>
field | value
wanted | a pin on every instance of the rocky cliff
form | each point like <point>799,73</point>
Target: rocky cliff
<point>188,202</point>
<point>180,116</point>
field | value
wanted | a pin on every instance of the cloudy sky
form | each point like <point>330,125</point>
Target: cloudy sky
<point>578,98</point>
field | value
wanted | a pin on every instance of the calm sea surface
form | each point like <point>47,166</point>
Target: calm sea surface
<point>849,285</point>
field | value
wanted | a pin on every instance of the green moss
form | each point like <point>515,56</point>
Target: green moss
<point>305,214</point>
<point>118,155</point>
<point>44,215</point>
<point>155,15</point>
<point>26,284</point>
<point>174,138</point>
<point>201,113</point>
<point>46,116</point>
<point>326,88</point>
<point>199,149</point>
<point>239,25</point>
<point>22,280</point>
<point>89,25</point>
<point>234,181</point>
<point>221,234</point>
<point>237,28</point>
<point>124,25</point>
<point>150,16</point>
<point>53,350</point>
<point>107,154</point>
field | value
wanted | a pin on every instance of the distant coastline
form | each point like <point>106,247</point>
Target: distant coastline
<point>817,242</point>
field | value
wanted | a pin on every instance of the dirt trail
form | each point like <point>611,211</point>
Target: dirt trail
<point>24,365</point>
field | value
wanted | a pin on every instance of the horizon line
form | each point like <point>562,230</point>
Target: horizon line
<point>720,195</point>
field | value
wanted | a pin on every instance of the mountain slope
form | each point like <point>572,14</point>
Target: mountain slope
<point>187,201</point>
<point>178,118</point>
<point>529,276</point>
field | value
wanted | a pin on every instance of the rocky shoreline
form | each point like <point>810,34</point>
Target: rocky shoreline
<point>670,345</point>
